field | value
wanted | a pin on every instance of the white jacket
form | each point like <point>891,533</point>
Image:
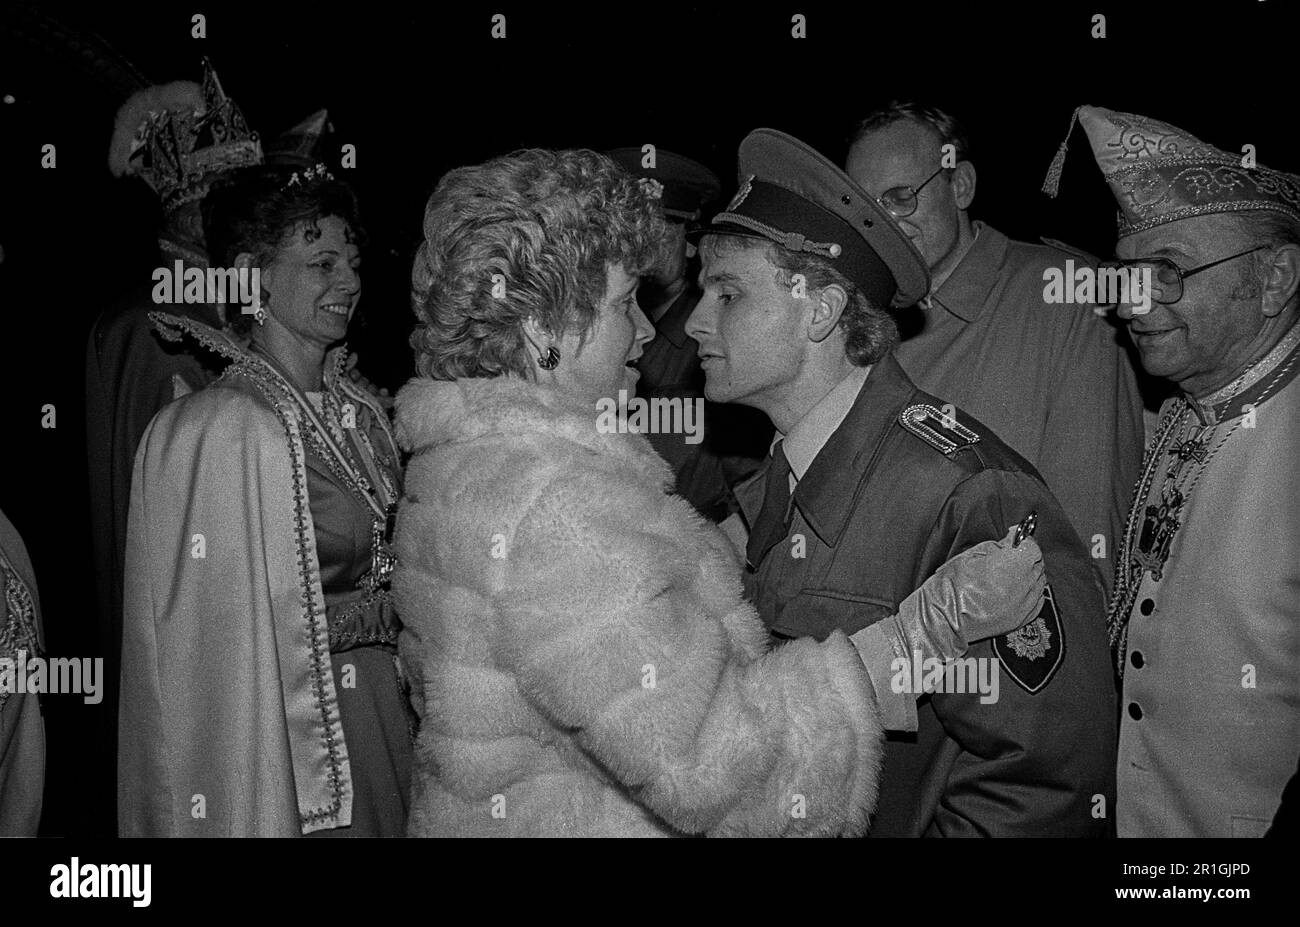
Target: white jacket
<point>583,661</point>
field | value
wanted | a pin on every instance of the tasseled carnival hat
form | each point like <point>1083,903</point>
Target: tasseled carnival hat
<point>1159,173</point>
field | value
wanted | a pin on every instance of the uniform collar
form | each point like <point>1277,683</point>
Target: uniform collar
<point>967,289</point>
<point>807,438</point>
<point>830,487</point>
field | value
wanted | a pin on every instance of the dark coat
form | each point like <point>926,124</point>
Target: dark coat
<point>877,512</point>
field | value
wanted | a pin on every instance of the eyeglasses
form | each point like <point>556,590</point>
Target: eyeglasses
<point>900,202</point>
<point>1167,277</point>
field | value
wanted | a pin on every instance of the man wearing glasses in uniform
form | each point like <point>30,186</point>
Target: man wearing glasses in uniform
<point>1053,381</point>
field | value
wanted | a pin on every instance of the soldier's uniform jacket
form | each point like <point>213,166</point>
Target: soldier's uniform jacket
<point>881,507</point>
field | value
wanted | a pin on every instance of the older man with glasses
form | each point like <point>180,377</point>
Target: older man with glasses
<point>1052,380</point>
<point>1205,614</point>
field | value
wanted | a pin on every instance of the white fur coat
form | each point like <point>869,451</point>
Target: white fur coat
<point>581,656</point>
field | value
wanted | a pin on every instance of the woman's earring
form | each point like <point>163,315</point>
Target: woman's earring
<point>259,314</point>
<point>550,360</point>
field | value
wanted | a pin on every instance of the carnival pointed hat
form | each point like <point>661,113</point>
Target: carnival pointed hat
<point>1159,173</point>
<point>300,146</point>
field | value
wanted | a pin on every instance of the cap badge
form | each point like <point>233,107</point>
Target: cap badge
<point>743,192</point>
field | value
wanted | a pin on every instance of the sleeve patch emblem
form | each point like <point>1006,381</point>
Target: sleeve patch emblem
<point>1032,654</point>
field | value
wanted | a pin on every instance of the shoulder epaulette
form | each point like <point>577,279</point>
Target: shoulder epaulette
<point>942,433</point>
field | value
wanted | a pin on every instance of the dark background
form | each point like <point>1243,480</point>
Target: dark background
<point>419,92</point>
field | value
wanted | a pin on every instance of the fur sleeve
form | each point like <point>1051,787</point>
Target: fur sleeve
<point>612,642</point>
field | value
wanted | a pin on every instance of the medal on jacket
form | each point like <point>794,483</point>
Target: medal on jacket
<point>1193,449</point>
<point>1158,529</point>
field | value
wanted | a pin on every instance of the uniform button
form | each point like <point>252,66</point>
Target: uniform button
<point>1136,659</point>
<point>1135,711</point>
<point>1147,606</point>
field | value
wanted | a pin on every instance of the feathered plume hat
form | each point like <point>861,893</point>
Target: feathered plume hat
<point>179,137</point>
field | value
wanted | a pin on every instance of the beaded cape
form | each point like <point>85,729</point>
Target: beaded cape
<point>247,630</point>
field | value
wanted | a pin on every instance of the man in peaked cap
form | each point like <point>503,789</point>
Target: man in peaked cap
<point>871,489</point>
<point>670,366</point>
<point>1205,614</point>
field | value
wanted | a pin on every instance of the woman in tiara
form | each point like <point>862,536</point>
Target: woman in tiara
<point>261,694</point>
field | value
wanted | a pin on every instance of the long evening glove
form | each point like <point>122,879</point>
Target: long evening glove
<point>990,589</point>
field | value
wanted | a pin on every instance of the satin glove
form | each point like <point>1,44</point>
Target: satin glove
<point>988,590</point>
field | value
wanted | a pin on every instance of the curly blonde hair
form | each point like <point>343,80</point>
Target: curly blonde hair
<point>527,235</point>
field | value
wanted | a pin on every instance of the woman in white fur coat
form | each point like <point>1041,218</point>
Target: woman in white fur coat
<point>582,658</point>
